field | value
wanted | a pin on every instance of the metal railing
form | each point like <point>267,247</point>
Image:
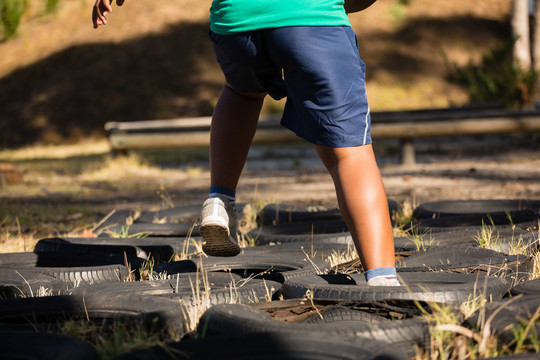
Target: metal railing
<point>403,125</point>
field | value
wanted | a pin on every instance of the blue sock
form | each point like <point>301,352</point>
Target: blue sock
<point>386,272</point>
<point>229,194</point>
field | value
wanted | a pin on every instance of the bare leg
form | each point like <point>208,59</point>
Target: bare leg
<point>231,133</point>
<point>233,126</point>
<point>362,202</point>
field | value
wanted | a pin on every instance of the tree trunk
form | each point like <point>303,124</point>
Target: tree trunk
<point>536,36</point>
<point>520,27</point>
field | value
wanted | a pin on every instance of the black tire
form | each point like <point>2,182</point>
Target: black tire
<point>343,315</point>
<point>274,214</point>
<point>181,229</point>
<point>151,311</point>
<point>264,346</point>
<point>468,258</point>
<point>99,245</point>
<point>507,316</point>
<point>453,222</point>
<point>60,259</point>
<point>528,356</point>
<point>21,283</point>
<point>329,231</point>
<point>421,286</point>
<point>115,218</point>
<point>31,345</point>
<point>315,250</point>
<point>476,208</point>
<point>531,287</point>
<point>241,319</point>
<point>86,275</point>
<point>188,213</point>
<point>218,287</point>
<point>275,268</point>
<point>505,237</point>
<point>161,249</point>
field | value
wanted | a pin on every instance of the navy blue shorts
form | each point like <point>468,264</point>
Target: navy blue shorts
<point>318,69</point>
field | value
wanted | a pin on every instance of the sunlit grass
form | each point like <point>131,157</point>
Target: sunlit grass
<point>132,166</point>
<point>40,152</point>
<point>15,242</point>
<point>403,216</point>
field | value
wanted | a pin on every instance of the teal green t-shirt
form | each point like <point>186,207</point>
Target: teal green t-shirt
<point>231,16</point>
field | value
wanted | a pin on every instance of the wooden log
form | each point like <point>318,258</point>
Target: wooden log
<point>185,137</point>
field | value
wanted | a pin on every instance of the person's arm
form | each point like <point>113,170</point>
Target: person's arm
<point>352,6</point>
<point>101,9</point>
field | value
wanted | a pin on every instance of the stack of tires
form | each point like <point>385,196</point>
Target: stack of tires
<point>280,298</point>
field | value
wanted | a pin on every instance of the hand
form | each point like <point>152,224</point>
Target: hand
<point>101,9</point>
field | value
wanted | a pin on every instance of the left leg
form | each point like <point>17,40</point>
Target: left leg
<point>362,202</point>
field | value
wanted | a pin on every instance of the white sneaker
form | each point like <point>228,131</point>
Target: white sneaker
<point>218,227</point>
<point>382,281</point>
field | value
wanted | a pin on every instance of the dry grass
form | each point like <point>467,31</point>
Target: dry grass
<point>63,151</point>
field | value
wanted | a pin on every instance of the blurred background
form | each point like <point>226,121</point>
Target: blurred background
<point>61,80</point>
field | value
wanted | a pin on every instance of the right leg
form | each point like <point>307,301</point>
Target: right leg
<point>233,126</point>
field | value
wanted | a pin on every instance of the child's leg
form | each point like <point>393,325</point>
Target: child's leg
<point>362,202</point>
<point>233,126</point>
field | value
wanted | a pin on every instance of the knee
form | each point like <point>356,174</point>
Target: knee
<point>248,95</point>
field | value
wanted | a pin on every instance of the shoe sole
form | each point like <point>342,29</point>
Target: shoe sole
<point>217,241</point>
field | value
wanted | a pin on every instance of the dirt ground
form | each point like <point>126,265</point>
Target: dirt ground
<point>505,167</point>
<point>55,201</point>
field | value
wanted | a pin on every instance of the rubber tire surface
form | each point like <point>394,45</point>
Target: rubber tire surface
<point>116,218</point>
<point>271,267</point>
<point>21,283</point>
<point>179,214</point>
<point>264,346</point>
<point>508,312</point>
<point>222,287</point>
<point>181,229</point>
<point>527,356</point>
<point>453,222</point>
<point>77,275</point>
<point>531,287</point>
<point>421,286</point>
<point>475,208</point>
<point>340,314</point>
<point>58,259</point>
<point>243,319</point>
<point>330,231</point>
<point>466,235</point>
<point>273,214</point>
<point>444,258</point>
<point>31,345</point>
<point>153,311</point>
<point>316,250</point>
<point>161,249</point>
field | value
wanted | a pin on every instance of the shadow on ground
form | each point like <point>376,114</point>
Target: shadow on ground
<point>73,93</point>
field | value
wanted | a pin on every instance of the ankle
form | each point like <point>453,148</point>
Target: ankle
<point>388,272</point>
<point>225,193</point>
